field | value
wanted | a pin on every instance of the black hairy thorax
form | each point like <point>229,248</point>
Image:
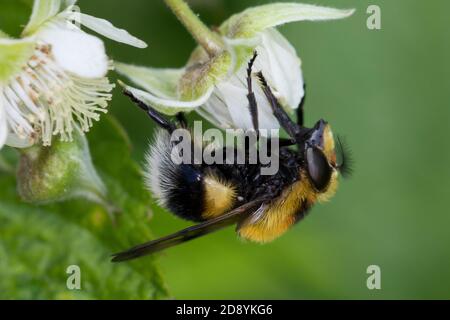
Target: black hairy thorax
<point>249,181</point>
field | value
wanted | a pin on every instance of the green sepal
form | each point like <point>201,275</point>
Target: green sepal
<point>161,82</point>
<point>252,21</point>
<point>43,10</point>
<point>14,55</point>
<point>61,172</point>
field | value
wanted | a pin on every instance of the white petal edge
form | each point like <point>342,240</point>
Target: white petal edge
<point>215,111</point>
<point>106,28</point>
<point>166,106</point>
<point>235,98</point>
<point>77,52</point>
<point>14,141</point>
<point>234,94</point>
<point>69,3</point>
<point>282,67</point>
<point>278,60</point>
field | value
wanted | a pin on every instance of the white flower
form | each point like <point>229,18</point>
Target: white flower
<point>53,80</point>
<point>277,59</point>
<point>215,85</point>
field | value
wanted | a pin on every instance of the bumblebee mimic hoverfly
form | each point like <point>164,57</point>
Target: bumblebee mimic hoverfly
<point>216,196</point>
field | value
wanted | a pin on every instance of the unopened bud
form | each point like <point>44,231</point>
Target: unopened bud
<point>60,172</point>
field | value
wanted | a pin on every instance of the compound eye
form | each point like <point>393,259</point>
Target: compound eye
<point>318,167</point>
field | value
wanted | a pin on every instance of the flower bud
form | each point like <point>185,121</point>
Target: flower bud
<point>60,172</point>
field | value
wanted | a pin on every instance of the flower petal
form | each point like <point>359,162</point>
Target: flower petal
<point>14,55</point>
<point>228,107</point>
<point>216,111</point>
<point>282,68</point>
<point>235,98</point>
<point>265,114</point>
<point>160,82</point>
<point>168,106</point>
<point>15,141</point>
<point>42,11</point>
<point>105,28</point>
<point>77,52</point>
<point>254,20</point>
<point>68,3</point>
<point>278,60</point>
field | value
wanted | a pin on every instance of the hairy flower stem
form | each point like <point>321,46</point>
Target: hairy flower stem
<point>210,41</point>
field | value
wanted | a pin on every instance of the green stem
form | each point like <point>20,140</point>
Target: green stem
<point>209,40</point>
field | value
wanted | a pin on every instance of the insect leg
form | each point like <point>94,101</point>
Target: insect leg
<point>181,118</point>
<point>251,95</point>
<point>283,118</point>
<point>300,110</point>
<point>152,113</point>
<point>286,142</point>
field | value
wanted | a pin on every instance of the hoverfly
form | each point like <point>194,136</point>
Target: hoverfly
<point>216,196</point>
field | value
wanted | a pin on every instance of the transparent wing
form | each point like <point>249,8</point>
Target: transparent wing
<point>190,233</point>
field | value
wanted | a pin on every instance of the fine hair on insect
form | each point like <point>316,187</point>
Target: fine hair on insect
<point>217,195</point>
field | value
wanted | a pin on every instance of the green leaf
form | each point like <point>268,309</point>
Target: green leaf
<point>252,21</point>
<point>14,55</point>
<point>42,11</point>
<point>39,243</point>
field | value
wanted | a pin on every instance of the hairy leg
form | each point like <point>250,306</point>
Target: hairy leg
<point>251,95</point>
<point>283,118</point>
<point>300,110</point>
<point>159,119</point>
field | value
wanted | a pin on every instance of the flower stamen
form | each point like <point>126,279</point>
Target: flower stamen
<point>45,100</point>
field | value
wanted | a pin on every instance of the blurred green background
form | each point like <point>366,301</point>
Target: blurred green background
<point>387,92</point>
